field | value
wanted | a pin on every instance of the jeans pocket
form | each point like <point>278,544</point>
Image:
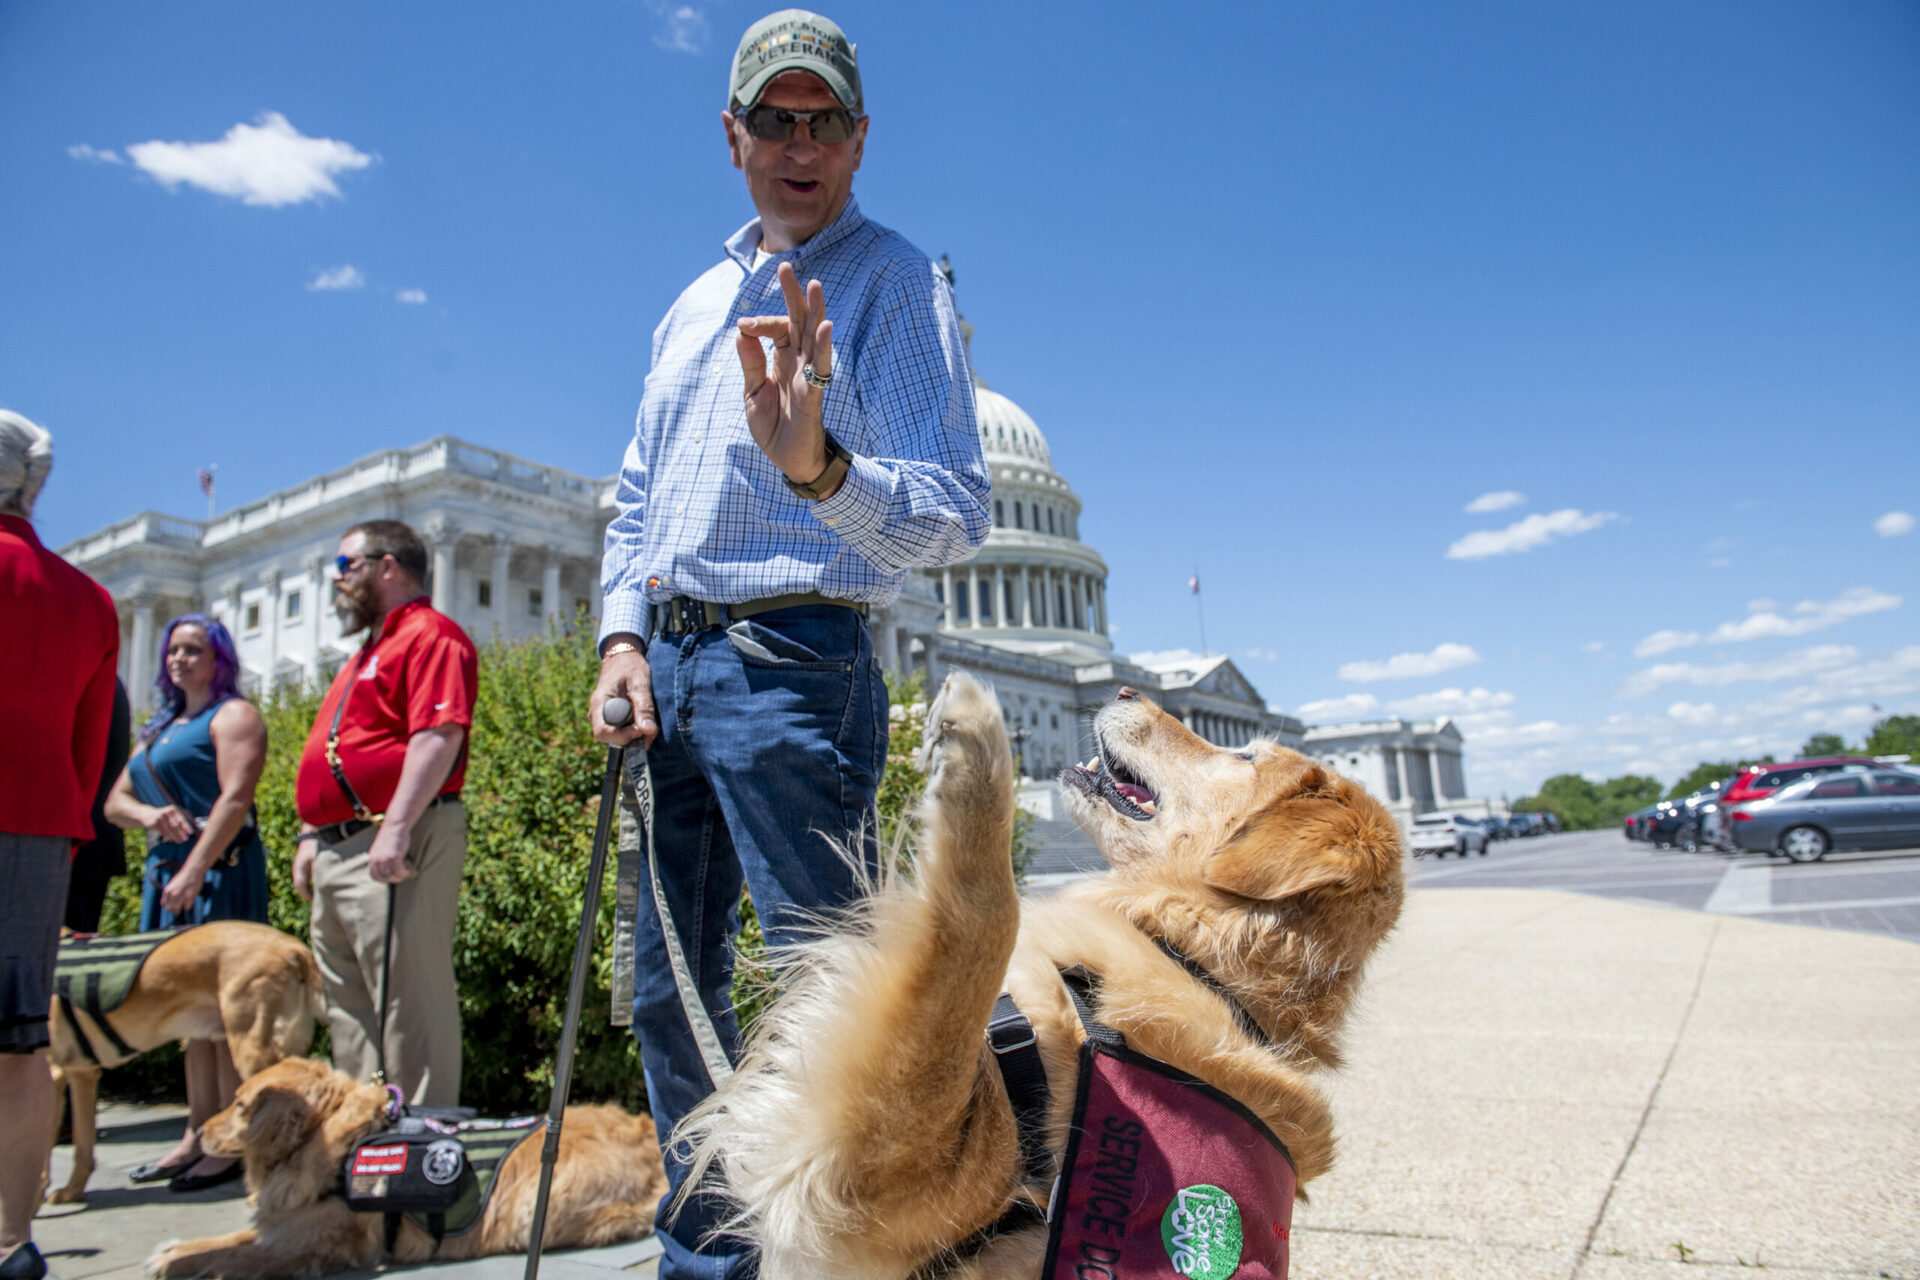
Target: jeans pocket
<point>762,646</point>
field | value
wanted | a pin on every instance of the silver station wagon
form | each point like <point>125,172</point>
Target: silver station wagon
<point>1860,808</point>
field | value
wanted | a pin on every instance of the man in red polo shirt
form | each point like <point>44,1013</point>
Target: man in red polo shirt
<point>59,644</point>
<point>383,833</point>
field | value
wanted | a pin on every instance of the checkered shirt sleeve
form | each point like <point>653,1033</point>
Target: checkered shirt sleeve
<point>702,512</point>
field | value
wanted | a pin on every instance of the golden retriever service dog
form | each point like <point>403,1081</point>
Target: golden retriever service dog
<point>295,1123</point>
<point>868,1131</point>
<point>254,987</point>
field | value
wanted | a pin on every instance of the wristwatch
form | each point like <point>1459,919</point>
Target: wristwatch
<point>839,461</point>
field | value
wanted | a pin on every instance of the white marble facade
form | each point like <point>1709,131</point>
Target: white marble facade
<point>516,550</point>
<point>1412,766</point>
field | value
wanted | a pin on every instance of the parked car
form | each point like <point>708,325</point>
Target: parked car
<point>1527,824</point>
<point>1664,824</point>
<point>1635,824</point>
<point>1697,819</point>
<point>1757,780</point>
<point>1444,833</point>
<point>1854,809</point>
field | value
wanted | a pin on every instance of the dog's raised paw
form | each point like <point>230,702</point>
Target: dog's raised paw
<point>963,724</point>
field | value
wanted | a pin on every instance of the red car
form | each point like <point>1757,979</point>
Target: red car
<point>1758,780</point>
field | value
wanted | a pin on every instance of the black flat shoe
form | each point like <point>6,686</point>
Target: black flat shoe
<point>24,1263</point>
<point>201,1181</point>
<point>154,1171</point>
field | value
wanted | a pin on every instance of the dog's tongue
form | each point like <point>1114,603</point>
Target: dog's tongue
<point>1139,795</point>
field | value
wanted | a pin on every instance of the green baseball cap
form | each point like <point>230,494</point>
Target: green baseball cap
<point>795,40</point>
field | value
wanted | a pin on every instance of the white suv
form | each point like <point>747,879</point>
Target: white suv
<point>1444,833</point>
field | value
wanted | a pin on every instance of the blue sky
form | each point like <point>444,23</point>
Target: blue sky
<point>1288,288</point>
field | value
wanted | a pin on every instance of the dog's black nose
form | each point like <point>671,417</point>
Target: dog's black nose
<point>1126,694</point>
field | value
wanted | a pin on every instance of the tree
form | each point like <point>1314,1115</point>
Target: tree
<point>1895,736</point>
<point>1582,805</point>
<point>1824,744</point>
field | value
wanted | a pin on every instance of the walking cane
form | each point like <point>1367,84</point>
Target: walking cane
<point>617,713</point>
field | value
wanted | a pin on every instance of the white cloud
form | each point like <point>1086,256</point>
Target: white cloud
<point>1767,622</point>
<point>268,163</point>
<point>1765,604</point>
<point>1693,712</point>
<point>1793,666</point>
<point>412,297</point>
<point>1720,562</point>
<point>1894,524</point>
<point>1328,710</point>
<point>1452,702</point>
<point>1498,501</point>
<point>1406,666</point>
<point>1665,642</point>
<point>95,155</point>
<point>683,28</point>
<point>333,279</point>
<point>1594,646</point>
<point>1261,654</point>
<point>1525,535</point>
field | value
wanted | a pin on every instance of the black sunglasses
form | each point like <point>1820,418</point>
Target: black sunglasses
<point>775,124</point>
<point>344,565</point>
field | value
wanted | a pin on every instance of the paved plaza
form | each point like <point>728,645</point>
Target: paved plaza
<point>1577,1059</point>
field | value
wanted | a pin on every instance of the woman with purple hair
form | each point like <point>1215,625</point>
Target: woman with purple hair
<point>189,785</point>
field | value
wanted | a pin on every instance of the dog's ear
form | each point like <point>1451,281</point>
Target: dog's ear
<point>278,1120</point>
<point>1315,831</point>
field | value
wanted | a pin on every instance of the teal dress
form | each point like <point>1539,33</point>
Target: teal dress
<point>235,887</point>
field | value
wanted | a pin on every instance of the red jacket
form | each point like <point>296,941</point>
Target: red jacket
<point>59,646</point>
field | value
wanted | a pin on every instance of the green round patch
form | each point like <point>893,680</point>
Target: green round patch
<point>1202,1233</point>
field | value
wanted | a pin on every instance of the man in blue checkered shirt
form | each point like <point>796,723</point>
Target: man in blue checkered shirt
<point>797,453</point>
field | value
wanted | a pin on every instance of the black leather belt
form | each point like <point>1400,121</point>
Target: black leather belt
<point>341,832</point>
<point>682,614</point>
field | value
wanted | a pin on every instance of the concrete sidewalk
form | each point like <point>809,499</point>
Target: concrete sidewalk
<point>1541,1085</point>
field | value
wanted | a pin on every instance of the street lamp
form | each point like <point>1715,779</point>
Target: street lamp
<point>1018,739</point>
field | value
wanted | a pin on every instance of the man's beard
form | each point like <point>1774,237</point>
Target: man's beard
<point>356,613</point>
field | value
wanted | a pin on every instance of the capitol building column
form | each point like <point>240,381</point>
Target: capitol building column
<point>441,534</point>
<point>502,564</point>
<point>973,595</point>
<point>140,661</point>
<point>1026,596</point>
<point>550,588</point>
<point>946,594</point>
<point>1000,610</point>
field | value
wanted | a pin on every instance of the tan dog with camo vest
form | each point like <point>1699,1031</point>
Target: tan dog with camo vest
<point>254,987</point>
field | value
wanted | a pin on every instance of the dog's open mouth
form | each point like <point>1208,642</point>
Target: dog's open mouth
<point>1113,782</point>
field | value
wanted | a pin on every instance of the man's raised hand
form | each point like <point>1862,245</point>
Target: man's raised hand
<point>783,408</point>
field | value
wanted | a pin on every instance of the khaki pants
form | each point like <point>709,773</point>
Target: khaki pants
<point>349,935</point>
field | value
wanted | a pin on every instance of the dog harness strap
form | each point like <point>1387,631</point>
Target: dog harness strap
<point>1017,1052</point>
<point>79,1036</point>
<point>393,1231</point>
<point>90,1001</point>
<point>1213,984</point>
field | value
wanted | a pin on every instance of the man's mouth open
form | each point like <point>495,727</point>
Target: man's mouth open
<point>799,187</point>
<point>1113,782</point>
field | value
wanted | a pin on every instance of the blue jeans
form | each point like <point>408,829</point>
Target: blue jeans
<point>773,735</point>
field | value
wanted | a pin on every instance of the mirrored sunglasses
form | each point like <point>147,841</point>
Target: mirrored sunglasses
<point>775,124</point>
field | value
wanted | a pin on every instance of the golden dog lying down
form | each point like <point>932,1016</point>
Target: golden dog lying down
<point>254,987</point>
<point>295,1123</point>
<point>868,1130</point>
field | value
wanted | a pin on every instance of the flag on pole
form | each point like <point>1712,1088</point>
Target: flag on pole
<point>1193,584</point>
<point>206,481</point>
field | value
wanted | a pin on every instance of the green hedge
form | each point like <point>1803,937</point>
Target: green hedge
<point>532,789</point>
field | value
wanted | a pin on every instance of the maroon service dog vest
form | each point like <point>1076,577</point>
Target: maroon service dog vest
<point>1164,1175</point>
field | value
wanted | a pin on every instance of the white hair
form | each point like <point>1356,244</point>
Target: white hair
<point>26,456</point>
